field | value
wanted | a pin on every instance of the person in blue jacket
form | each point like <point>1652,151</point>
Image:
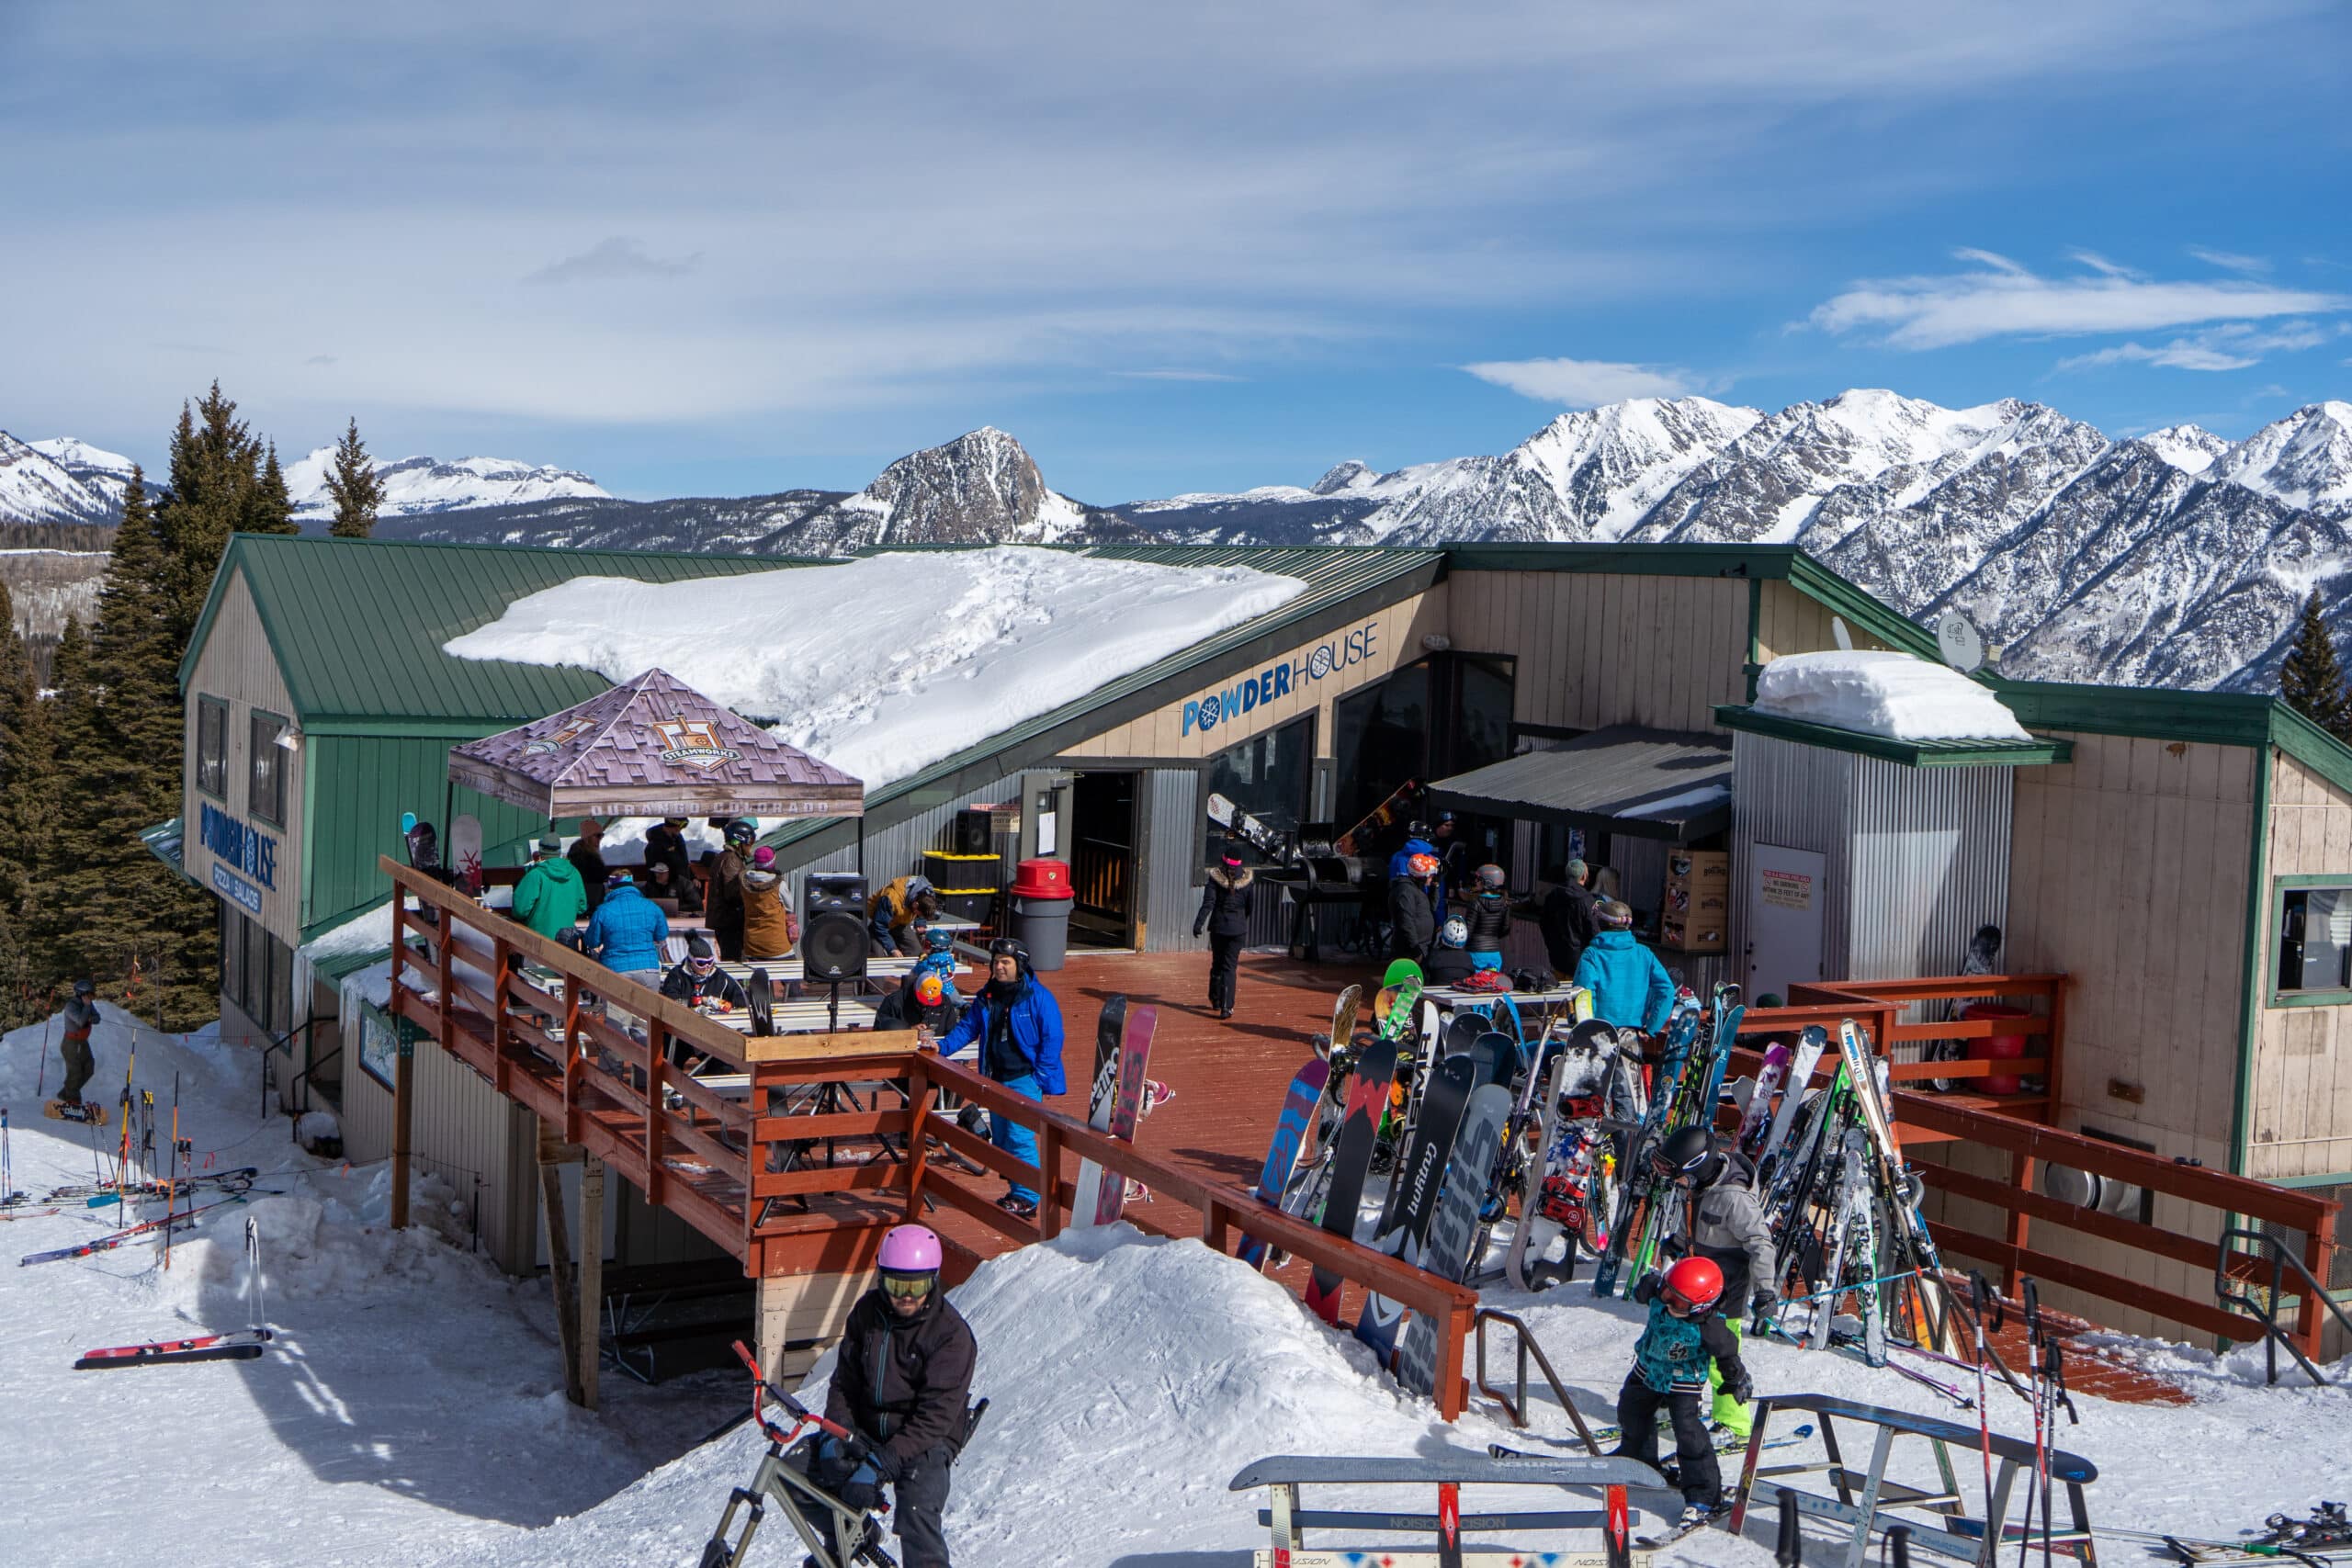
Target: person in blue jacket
<point>1630,987</point>
<point>626,932</point>
<point>1017,1024</point>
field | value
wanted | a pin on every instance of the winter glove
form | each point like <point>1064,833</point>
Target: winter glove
<point>1762,1304</point>
<point>1645,1288</point>
<point>861,1490</point>
<point>833,1463</point>
<point>886,1464</point>
<point>1741,1386</point>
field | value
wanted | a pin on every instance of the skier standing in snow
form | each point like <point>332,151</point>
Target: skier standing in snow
<point>1487,914</point>
<point>549,897</point>
<point>1630,987</point>
<point>1567,920</point>
<point>81,1017</point>
<point>726,900</point>
<point>1017,1025</point>
<point>1227,898</point>
<point>1726,1226</point>
<point>1684,1342</point>
<point>902,1382</point>
<point>1412,918</point>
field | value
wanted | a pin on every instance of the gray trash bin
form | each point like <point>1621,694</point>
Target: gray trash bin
<point>1042,925</point>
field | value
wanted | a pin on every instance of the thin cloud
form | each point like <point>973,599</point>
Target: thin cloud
<point>2003,299</point>
<point>2230,261</point>
<point>2235,347</point>
<point>1584,383</point>
<point>2099,263</point>
<point>616,257</point>
<point>320,359</point>
<point>1175,376</point>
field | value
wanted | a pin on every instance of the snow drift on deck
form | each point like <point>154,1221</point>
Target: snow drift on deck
<point>892,662</point>
<point>1890,694</point>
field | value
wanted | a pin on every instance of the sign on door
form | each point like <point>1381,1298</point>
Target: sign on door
<point>1785,915</point>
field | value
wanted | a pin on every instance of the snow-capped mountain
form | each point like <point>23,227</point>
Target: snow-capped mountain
<point>36,487</point>
<point>103,473</point>
<point>414,485</point>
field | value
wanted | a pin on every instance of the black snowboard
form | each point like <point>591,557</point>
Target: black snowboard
<point>1367,1101</point>
<point>762,1002</point>
<point>1110,1028</point>
<point>1497,1058</point>
<point>1461,1031</point>
<point>424,848</point>
<point>1413,1191</point>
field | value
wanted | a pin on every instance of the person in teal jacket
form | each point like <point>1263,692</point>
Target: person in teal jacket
<point>550,899</point>
<point>1630,987</point>
<point>626,932</point>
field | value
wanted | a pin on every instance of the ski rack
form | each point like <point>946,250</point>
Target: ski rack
<point>1862,1496</point>
<point>1516,1407</point>
<point>1449,1470</point>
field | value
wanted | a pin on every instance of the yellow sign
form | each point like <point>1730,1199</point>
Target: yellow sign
<point>1786,889</point>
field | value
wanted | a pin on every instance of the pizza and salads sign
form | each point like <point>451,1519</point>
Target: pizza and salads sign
<point>1205,712</point>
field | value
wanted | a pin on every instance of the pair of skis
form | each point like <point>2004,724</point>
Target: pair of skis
<point>239,1344</point>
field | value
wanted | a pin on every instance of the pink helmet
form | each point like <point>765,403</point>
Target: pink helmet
<point>910,1249</point>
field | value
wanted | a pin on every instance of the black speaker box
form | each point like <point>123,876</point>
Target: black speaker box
<point>833,941</point>
<point>973,833</point>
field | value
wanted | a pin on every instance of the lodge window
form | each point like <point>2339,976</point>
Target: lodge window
<point>267,798</point>
<point>2314,960</point>
<point>257,973</point>
<point>212,747</point>
<point>1267,776</point>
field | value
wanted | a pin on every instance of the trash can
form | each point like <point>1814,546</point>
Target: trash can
<point>1042,900</point>
<point>1997,1047</point>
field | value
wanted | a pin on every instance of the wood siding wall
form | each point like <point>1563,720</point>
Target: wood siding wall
<point>1596,649</point>
<point>2302,1123</point>
<point>1792,622</point>
<point>237,666</point>
<point>1397,641</point>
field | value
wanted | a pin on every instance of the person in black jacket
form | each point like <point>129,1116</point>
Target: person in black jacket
<point>902,1383</point>
<point>665,844</point>
<point>1567,920</point>
<point>1448,963</point>
<point>1412,919</point>
<point>1487,914</point>
<point>587,857</point>
<point>1226,900</point>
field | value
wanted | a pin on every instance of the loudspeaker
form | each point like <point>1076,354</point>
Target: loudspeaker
<point>833,940</point>
<point>973,833</point>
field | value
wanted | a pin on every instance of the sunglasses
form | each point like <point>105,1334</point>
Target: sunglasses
<point>913,1290</point>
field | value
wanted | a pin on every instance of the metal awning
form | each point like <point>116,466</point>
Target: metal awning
<point>652,747</point>
<point>162,841</point>
<point>1910,753</point>
<point>1649,784</point>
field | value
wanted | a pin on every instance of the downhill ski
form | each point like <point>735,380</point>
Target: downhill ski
<point>239,1345</point>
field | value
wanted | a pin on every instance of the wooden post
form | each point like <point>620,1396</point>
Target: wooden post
<point>921,1095</point>
<point>403,1105</point>
<point>2022,1180</point>
<point>592,1276</point>
<point>2054,1077</point>
<point>657,1068</point>
<point>1049,1165</point>
<point>501,1004</point>
<point>1451,1395</point>
<point>567,1301</point>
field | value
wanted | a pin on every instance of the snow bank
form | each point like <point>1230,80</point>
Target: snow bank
<point>892,662</point>
<point>1890,694</point>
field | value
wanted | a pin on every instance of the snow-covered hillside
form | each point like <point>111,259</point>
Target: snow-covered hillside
<point>414,485</point>
<point>36,486</point>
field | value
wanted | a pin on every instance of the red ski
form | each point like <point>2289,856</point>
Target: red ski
<point>239,1345</point>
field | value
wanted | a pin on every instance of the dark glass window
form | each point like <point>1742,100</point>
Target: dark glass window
<point>268,796</point>
<point>1379,740</point>
<point>2315,940</point>
<point>1267,776</point>
<point>212,747</point>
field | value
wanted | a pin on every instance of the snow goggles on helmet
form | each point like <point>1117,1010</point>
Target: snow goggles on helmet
<point>908,1287</point>
<point>1005,947</point>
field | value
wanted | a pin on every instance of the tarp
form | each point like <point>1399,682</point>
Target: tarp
<point>652,746</point>
<point>1651,783</point>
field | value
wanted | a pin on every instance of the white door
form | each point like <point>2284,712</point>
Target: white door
<point>1783,919</point>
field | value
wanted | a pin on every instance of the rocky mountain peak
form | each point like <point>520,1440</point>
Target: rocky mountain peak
<point>2304,460</point>
<point>1350,474</point>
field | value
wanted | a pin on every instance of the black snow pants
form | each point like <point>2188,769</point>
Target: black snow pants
<point>1225,970</point>
<point>918,1498</point>
<point>79,1065</point>
<point>1637,1407</point>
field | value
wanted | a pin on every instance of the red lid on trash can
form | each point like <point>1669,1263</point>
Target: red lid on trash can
<point>1042,879</point>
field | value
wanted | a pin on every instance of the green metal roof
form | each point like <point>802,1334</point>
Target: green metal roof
<point>1910,753</point>
<point>357,625</point>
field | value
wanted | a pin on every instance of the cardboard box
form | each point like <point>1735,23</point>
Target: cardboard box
<point>1700,871</point>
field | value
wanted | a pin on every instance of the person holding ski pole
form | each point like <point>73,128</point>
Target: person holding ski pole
<point>81,1017</point>
<point>1726,1226</point>
<point>1685,1341</point>
<point>902,1382</point>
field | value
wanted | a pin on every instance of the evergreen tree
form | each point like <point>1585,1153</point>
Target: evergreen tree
<point>357,489</point>
<point>25,793</point>
<point>273,510</point>
<point>216,475</point>
<point>56,843</point>
<point>2312,679</point>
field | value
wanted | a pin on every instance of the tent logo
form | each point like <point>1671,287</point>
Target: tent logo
<point>559,739</point>
<point>694,743</point>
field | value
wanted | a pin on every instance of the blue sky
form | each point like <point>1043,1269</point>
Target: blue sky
<point>723,249</point>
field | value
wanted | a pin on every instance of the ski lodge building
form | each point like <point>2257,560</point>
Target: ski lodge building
<point>2175,869</point>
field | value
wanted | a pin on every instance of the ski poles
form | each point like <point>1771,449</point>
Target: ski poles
<point>1979,1294</point>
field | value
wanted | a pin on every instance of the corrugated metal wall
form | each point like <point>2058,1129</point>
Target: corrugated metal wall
<point>897,851</point>
<point>1171,799</point>
<point>1794,795</point>
<point>1930,865</point>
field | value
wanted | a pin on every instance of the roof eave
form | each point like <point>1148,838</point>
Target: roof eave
<point>1909,753</point>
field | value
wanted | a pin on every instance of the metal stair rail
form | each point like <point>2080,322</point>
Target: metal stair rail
<point>2264,1307</point>
<point>1515,1405</point>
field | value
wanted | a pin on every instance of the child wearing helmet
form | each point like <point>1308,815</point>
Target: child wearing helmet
<point>1412,912</point>
<point>1449,962</point>
<point>902,1383</point>
<point>1685,1339</point>
<point>1487,916</point>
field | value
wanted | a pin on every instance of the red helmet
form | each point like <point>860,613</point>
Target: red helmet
<point>1422,865</point>
<point>1697,1281</point>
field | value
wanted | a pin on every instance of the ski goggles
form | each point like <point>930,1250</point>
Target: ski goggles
<point>1676,1302</point>
<point>907,1287</point>
<point>1005,947</point>
<point>702,966</point>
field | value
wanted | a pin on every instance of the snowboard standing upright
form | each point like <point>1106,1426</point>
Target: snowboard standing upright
<point>1293,1132</point>
<point>1413,1192</point>
<point>1351,1162</point>
<point>1454,1226</point>
<point>1101,1197</point>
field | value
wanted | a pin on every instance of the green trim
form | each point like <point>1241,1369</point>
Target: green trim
<point>1881,620</point>
<point>2335,1179</point>
<point>2250,967</point>
<point>2227,718</point>
<point>2311,746</point>
<point>1754,634</point>
<point>1910,753</point>
<point>2280,887</point>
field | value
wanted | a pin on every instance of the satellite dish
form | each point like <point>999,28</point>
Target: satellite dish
<point>1957,641</point>
<point>1844,638</point>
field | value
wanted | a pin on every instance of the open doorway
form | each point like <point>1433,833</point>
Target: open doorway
<point>1102,860</point>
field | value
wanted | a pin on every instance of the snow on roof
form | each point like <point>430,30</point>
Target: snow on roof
<point>893,661</point>
<point>1890,694</point>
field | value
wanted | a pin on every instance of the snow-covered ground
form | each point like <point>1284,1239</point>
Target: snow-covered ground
<point>414,1403</point>
<point>411,1415</point>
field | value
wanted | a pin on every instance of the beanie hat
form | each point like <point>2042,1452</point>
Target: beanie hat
<point>764,857</point>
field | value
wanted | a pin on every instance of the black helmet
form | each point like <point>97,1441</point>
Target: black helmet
<point>743,830</point>
<point>85,987</point>
<point>1005,946</point>
<point>1686,1151</point>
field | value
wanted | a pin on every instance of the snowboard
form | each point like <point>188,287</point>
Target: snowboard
<point>760,992</point>
<point>465,853</point>
<point>1343,1020</point>
<point>1256,833</point>
<point>1109,1198</point>
<point>423,843</point>
<point>1413,1192</point>
<point>1454,1228</point>
<point>1531,1239</point>
<point>1497,1058</point>
<point>1293,1131</point>
<point>1367,1101</point>
<point>89,1112</point>
<point>1758,1107</point>
<point>1462,1031</point>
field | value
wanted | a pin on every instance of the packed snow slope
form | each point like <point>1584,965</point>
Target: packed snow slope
<point>411,1404</point>
<point>890,662</point>
<point>1130,1378</point>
